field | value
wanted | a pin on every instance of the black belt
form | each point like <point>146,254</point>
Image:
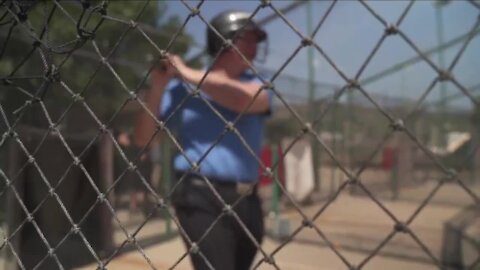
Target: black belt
<point>242,188</point>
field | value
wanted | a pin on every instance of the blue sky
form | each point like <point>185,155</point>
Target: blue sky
<point>348,36</point>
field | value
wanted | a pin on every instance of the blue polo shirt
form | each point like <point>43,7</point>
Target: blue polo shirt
<point>198,129</point>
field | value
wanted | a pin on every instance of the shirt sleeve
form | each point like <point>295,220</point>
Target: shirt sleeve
<point>172,97</point>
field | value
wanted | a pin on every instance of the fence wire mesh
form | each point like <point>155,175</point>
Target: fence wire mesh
<point>48,54</point>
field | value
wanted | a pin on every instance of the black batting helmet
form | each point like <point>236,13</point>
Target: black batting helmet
<point>227,24</point>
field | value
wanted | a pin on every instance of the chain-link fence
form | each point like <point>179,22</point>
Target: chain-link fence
<point>392,184</point>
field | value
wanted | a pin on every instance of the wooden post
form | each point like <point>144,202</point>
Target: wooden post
<point>13,212</point>
<point>106,181</point>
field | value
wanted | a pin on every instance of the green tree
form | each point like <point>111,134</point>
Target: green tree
<point>67,31</point>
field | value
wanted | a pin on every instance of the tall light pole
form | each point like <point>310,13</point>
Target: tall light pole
<point>311,97</point>
<point>442,143</point>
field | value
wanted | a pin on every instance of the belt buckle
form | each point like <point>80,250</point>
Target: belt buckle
<point>244,189</point>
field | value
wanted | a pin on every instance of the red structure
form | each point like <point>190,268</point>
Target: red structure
<point>266,156</point>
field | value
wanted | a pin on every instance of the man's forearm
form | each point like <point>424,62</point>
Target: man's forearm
<point>145,124</point>
<point>230,93</point>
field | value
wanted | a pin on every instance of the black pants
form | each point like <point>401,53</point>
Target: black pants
<point>226,246</point>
